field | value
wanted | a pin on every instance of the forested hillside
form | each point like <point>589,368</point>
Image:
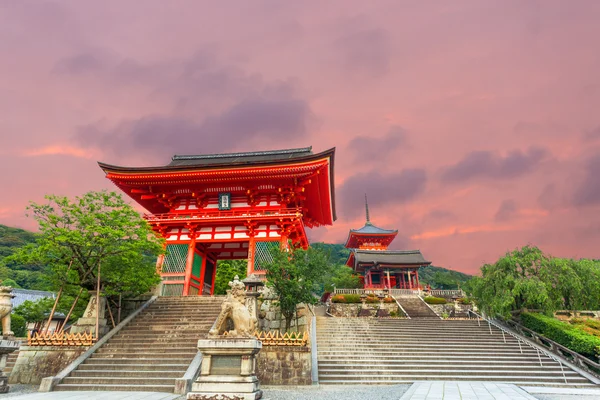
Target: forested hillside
<point>437,277</point>
<point>26,277</point>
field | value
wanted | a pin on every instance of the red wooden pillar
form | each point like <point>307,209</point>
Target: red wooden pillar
<point>251,251</point>
<point>214,275</point>
<point>283,242</point>
<point>417,278</point>
<point>189,262</point>
<point>202,275</point>
<point>160,260</point>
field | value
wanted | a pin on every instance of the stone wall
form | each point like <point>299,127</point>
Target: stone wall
<point>270,318</point>
<point>351,310</point>
<point>450,309</point>
<point>37,362</point>
<point>283,365</point>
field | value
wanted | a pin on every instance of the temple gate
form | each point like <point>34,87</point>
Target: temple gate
<point>229,206</point>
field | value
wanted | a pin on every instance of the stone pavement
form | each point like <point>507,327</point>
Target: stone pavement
<point>423,390</point>
<point>439,390</point>
<point>89,395</point>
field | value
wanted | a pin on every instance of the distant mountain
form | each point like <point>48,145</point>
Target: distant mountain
<point>22,276</point>
<point>437,277</point>
<point>13,238</point>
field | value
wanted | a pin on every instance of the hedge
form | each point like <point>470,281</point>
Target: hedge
<point>435,300</point>
<point>564,334</point>
<point>346,298</point>
<point>355,298</point>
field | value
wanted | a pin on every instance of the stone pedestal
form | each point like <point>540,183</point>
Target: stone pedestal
<point>7,346</point>
<point>228,370</point>
<point>87,323</point>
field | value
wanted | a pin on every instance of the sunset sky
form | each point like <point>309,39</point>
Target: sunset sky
<point>473,126</point>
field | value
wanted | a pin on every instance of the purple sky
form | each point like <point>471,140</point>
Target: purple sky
<point>474,126</point>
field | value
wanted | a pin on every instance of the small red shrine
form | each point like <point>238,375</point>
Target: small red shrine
<point>229,206</point>
<point>380,268</point>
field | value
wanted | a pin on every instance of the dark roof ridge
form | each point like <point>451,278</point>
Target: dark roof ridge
<point>242,154</point>
<point>388,251</point>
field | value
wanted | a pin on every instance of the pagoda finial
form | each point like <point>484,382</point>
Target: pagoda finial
<point>367,210</point>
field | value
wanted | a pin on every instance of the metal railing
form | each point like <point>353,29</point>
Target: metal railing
<point>561,351</point>
<point>446,293</point>
<point>223,215</point>
<point>392,292</point>
<point>520,340</point>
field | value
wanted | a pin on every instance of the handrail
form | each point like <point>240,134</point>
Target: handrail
<point>402,308</point>
<point>583,362</point>
<point>440,292</point>
<point>538,349</point>
<point>431,308</point>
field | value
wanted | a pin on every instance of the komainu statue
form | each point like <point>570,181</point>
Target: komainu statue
<point>234,312</point>
<point>5,309</point>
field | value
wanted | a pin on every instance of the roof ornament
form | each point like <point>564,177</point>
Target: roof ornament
<point>367,210</point>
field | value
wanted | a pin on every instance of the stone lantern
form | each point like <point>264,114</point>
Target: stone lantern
<point>364,310</point>
<point>382,311</point>
<point>7,342</point>
<point>253,289</point>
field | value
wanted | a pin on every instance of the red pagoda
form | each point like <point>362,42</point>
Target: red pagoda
<point>229,206</point>
<point>380,268</point>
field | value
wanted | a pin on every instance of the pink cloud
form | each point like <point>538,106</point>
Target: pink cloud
<point>499,98</point>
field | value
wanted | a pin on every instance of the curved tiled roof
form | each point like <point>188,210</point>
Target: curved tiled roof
<point>390,257</point>
<point>369,228</point>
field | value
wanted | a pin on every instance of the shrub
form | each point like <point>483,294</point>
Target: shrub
<point>563,333</point>
<point>434,300</point>
<point>18,325</point>
<point>346,298</point>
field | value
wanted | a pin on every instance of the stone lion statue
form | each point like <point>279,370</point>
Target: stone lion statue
<point>5,309</point>
<point>234,310</point>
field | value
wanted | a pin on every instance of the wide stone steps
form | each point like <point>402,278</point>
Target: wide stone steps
<point>126,374</point>
<point>152,351</point>
<point>116,387</point>
<point>120,365</point>
<point>118,381</point>
<point>134,360</point>
<point>386,351</point>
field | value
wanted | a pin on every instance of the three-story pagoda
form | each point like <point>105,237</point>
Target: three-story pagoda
<point>378,267</point>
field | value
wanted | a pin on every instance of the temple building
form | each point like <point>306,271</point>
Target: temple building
<point>378,267</point>
<point>229,206</point>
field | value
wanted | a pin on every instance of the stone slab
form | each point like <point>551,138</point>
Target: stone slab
<point>448,390</point>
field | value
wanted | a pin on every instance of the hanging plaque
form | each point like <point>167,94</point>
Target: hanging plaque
<point>224,201</point>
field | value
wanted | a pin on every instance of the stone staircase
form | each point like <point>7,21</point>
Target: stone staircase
<point>152,351</point>
<point>390,351</point>
<point>10,362</point>
<point>415,307</point>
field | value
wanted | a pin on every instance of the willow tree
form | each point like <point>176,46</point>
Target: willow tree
<point>528,278</point>
<point>513,282</point>
<point>97,232</point>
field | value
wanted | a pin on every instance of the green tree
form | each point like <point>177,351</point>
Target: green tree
<point>513,282</point>
<point>340,276</point>
<point>95,230</point>
<point>18,325</point>
<point>295,276</point>
<point>11,283</point>
<point>35,311</point>
<point>226,271</point>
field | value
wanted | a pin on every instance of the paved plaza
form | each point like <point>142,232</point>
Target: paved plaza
<point>424,390</point>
